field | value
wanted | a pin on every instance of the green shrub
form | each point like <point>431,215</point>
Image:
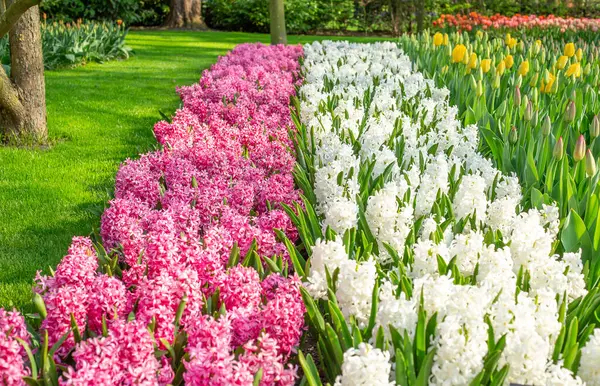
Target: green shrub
<point>140,12</point>
<point>65,44</point>
<point>253,15</point>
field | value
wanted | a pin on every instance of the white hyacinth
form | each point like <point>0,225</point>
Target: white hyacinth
<point>436,174</point>
<point>365,366</point>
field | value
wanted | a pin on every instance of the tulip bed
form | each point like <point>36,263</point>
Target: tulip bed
<point>337,192</point>
<point>536,105</point>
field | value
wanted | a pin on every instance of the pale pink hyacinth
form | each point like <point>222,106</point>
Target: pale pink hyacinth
<point>220,180</point>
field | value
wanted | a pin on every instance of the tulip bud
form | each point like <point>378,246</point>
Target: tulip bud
<point>579,152</point>
<point>479,88</point>
<point>513,136</point>
<point>473,82</point>
<point>535,96</point>
<point>534,80</point>
<point>559,151</point>
<point>573,95</point>
<point>534,118</point>
<point>519,81</point>
<point>595,129</point>
<point>546,126</point>
<point>590,164</point>
<point>517,96</point>
<point>528,111</point>
<point>497,81</point>
<point>587,69</point>
<point>570,113</point>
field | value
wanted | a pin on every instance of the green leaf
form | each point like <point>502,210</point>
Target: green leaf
<point>425,370</point>
<point>574,233</point>
<point>310,370</point>
<point>257,377</point>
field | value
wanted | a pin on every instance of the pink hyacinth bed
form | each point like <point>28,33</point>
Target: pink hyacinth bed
<point>166,298</point>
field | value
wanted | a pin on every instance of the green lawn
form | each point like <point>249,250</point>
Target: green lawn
<point>99,115</point>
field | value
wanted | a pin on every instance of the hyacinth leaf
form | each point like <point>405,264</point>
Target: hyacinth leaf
<point>380,339</point>
<point>310,370</point>
<point>499,376</point>
<point>357,337</point>
<point>334,347</point>
<point>272,264</point>
<point>312,218</point>
<point>250,254</point>
<point>234,256</point>
<point>408,357</point>
<point>40,305</point>
<point>32,382</point>
<point>329,365</point>
<point>257,377</point>
<point>75,328</point>
<point>180,310</point>
<point>298,261</point>
<point>420,338</point>
<point>313,311</point>
<point>374,304</point>
<point>32,361</point>
<point>401,373</point>
<point>339,322</point>
<point>425,369</point>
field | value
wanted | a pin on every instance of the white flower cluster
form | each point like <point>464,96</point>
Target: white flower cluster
<point>368,112</point>
<point>365,366</point>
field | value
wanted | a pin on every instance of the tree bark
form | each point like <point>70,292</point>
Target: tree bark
<point>420,14</point>
<point>277,14</point>
<point>186,14</point>
<point>23,96</point>
<point>395,16</point>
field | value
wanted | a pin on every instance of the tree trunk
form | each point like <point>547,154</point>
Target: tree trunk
<point>185,14</point>
<point>23,96</point>
<point>278,34</point>
<point>395,16</point>
<point>420,14</point>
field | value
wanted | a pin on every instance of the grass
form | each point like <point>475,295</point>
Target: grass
<point>98,115</point>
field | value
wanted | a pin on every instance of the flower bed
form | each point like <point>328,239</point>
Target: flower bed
<point>191,284</point>
<point>424,261</point>
<point>476,20</point>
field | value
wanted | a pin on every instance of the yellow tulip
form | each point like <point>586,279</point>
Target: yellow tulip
<point>501,67</point>
<point>524,68</point>
<point>548,87</point>
<point>466,59</point>
<point>438,39</point>
<point>511,43</point>
<point>574,69</point>
<point>458,53</point>
<point>473,61</point>
<point>485,65</point>
<point>579,54</point>
<point>509,61</point>
<point>507,38</point>
<point>569,49</point>
<point>562,62</point>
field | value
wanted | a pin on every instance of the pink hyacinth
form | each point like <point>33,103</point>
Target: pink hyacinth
<point>124,357</point>
<point>220,180</point>
<point>12,354</point>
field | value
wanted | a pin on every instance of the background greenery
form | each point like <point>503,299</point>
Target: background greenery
<point>304,16</point>
<point>98,115</point>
